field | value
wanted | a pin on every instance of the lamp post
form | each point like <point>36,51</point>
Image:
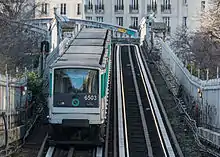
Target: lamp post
<point>201,97</point>
<point>149,32</point>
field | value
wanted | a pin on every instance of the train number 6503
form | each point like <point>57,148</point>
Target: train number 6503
<point>90,97</point>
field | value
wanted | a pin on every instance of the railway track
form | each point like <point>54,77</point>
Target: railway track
<point>111,143</point>
<point>72,152</point>
<point>134,125</point>
<point>144,134</point>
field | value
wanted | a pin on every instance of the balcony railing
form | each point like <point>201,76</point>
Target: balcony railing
<point>99,9</point>
<point>168,30</point>
<point>166,8</point>
<point>133,9</point>
<point>119,8</point>
<point>133,27</point>
<point>88,8</point>
<point>151,8</point>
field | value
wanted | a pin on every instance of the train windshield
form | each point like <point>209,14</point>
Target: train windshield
<point>76,80</point>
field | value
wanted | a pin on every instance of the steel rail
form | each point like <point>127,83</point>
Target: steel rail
<point>158,119</point>
<point>124,110</point>
<point>144,124</point>
<point>50,152</point>
<point>120,111</point>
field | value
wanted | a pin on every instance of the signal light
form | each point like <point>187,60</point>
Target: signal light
<point>200,92</point>
<point>46,48</point>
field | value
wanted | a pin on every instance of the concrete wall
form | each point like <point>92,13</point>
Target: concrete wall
<point>15,97</point>
<point>210,101</point>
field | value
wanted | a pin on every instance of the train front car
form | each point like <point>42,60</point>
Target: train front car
<point>78,90</point>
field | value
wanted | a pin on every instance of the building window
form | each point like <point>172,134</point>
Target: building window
<point>119,2</point>
<point>119,5</point>
<point>152,6</point>
<point>134,22</point>
<point>88,6</point>
<point>44,8</point>
<point>166,7</point>
<point>63,9</point>
<point>184,21</point>
<point>119,21</point>
<point>99,7</point>
<point>166,2</point>
<point>90,2</point>
<point>99,19</point>
<point>134,4</point>
<point>88,18</point>
<point>99,2</point>
<point>202,5</point>
<point>78,9</point>
<point>166,20</point>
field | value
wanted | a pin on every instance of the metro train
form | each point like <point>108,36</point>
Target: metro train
<point>79,87</point>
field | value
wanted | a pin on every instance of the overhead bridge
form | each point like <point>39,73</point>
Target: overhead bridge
<point>117,28</point>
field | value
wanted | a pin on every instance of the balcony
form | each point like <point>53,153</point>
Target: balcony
<point>168,30</point>
<point>133,27</point>
<point>88,9</point>
<point>119,9</point>
<point>133,9</point>
<point>152,8</point>
<point>166,9</point>
<point>99,9</point>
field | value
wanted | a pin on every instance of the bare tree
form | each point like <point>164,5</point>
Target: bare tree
<point>198,48</point>
<point>17,9</point>
<point>16,40</point>
<point>182,44</point>
<point>211,20</point>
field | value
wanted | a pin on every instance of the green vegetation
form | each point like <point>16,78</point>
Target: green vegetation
<point>34,83</point>
<point>194,69</point>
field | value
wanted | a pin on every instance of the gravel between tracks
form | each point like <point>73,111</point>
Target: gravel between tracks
<point>183,133</point>
<point>33,142</point>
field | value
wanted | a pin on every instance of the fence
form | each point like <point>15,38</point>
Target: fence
<point>209,101</point>
<point>12,98</point>
<point>12,104</point>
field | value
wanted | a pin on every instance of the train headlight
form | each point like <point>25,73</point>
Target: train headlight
<point>60,102</point>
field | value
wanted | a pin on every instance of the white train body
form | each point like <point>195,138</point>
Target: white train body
<point>79,81</point>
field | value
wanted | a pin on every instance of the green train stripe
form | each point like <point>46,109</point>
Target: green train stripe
<point>50,85</point>
<point>102,85</point>
<point>104,77</point>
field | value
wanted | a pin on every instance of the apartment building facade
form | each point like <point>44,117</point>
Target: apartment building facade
<point>128,13</point>
<point>69,8</point>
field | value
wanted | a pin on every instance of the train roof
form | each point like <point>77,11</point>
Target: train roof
<point>88,42</point>
<point>86,52</point>
<point>97,30</point>
<point>80,60</point>
<point>85,49</point>
<point>92,33</point>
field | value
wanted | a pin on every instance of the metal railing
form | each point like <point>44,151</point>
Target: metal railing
<point>166,8</point>
<point>119,8</point>
<point>88,8</point>
<point>133,9</point>
<point>99,9</point>
<point>191,85</point>
<point>151,8</point>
